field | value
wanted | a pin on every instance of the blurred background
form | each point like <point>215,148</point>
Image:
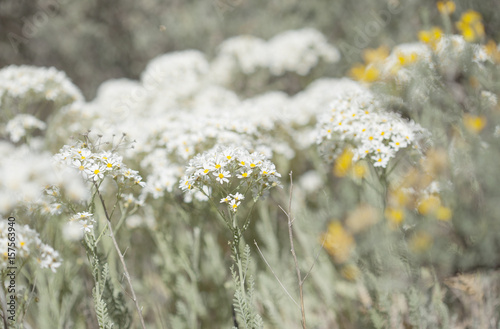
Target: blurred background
<point>96,40</point>
<point>93,41</point>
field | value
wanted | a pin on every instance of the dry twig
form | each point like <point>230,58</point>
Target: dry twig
<point>122,260</point>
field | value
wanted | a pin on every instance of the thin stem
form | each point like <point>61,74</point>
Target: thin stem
<point>118,195</point>
<point>125,213</point>
<point>247,219</point>
<point>216,208</point>
<point>122,260</point>
<point>100,235</point>
<point>275,276</point>
<point>236,252</point>
<point>292,249</point>
<point>315,259</point>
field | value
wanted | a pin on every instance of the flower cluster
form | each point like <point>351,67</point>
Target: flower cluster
<point>357,122</point>
<point>167,140</point>
<point>18,127</point>
<point>471,26</point>
<point>28,247</point>
<point>230,171</point>
<point>173,76</point>
<point>95,164</point>
<point>37,83</point>
<point>78,225</point>
<point>435,51</point>
<point>85,219</point>
<point>233,200</point>
<point>26,174</point>
<point>291,51</point>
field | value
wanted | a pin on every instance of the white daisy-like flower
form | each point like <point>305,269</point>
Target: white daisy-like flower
<point>358,121</point>
<point>234,166</point>
<point>244,174</point>
<point>237,196</point>
<point>233,204</point>
<point>87,225</point>
<point>95,172</point>
<point>222,176</point>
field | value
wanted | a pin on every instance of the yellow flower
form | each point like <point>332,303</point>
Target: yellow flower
<point>443,213</point>
<point>446,7</point>
<point>431,37</point>
<point>360,170</point>
<point>375,55</point>
<point>429,205</point>
<point>474,124</point>
<point>470,17</point>
<point>398,197</point>
<point>421,242</point>
<point>435,162</point>
<point>407,59</point>
<point>367,73</point>
<point>361,218</point>
<point>470,26</point>
<point>492,50</point>
<point>343,163</point>
<point>338,242</point>
<point>395,216</point>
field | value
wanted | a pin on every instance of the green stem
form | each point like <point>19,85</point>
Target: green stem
<point>216,208</point>
<point>236,254</point>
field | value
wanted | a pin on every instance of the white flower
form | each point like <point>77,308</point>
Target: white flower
<point>29,247</point>
<point>186,183</point>
<point>87,226</point>
<point>111,164</point>
<point>231,162</point>
<point>222,176</point>
<point>72,231</point>
<point>17,127</point>
<point>233,204</point>
<point>95,172</point>
<point>80,165</point>
<point>41,83</point>
<point>237,196</point>
<point>244,174</point>
<point>357,121</point>
<point>311,181</point>
<point>81,216</point>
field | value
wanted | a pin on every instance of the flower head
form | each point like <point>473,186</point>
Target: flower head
<point>230,168</point>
